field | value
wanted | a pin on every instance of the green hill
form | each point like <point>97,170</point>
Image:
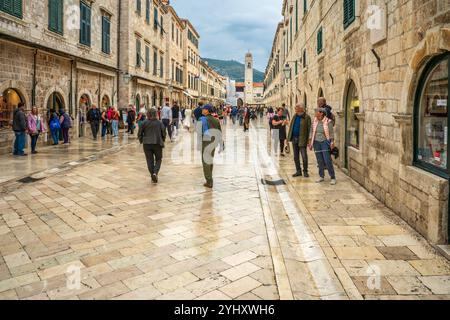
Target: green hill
<point>233,69</point>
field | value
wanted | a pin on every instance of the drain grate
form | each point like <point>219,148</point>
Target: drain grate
<point>29,180</point>
<point>280,182</point>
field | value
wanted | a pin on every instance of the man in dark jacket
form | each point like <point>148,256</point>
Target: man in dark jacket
<point>152,134</point>
<point>93,117</point>
<point>211,138</point>
<point>20,128</point>
<point>131,119</point>
<point>298,135</point>
<point>322,103</point>
<point>198,111</point>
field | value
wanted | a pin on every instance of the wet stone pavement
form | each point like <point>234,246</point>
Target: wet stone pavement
<point>102,230</point>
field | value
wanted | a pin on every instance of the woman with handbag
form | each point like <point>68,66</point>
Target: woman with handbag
<point>35,127</point>
<point>321,138</point>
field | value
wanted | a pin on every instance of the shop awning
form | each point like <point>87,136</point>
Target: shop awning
<point>187,94</point>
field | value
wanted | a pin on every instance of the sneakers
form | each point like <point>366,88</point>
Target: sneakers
<point>154,178</point>
<point>333,182</point>
<point>320,180</point>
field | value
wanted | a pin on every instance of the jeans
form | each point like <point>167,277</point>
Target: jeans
<point>104,129</point>
<point>115,127</point>
<point>153,155</point>
<point>233,119</point>
<point>175,122</point>
<point>34,140</point>
<point>130,127</point>
<point>94,128</point>
<point>168,127</point>
<point>297,152</point>
<point>55,136</point>
<point>65,133</point>
<point>19,143</point>
<point>323,155</point>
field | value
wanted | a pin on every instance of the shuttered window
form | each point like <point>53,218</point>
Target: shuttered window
<point>304,58</point>
<point>319,40</point>
<point>155,63</point>
<point>349,12</point>
<point>305,6</point>
<point>147,59</point>
<point>12,7</point>
<point>55,15</point>
<point>85,24</point>
<point>155,18</point>
<point>138,6</point>
<point>138,53</point>
<point>106,35</point>
<point>147,11</point>
<point>161,67</point>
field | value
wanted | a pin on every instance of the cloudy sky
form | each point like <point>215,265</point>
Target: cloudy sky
<point>229,28</point>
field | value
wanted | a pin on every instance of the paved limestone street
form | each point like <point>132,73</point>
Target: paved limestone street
<point>105,224</point>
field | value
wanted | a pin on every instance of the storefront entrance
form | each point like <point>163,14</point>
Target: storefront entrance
<point>351,121</point>
<point>431,120</point>
<point>9,100</point>
<point>83,107</point>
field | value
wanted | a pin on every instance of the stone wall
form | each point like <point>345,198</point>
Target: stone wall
<point>416,30</point>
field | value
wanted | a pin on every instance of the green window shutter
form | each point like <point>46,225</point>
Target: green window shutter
<point>319,41</point>
<point>296,67</point>
<point>85,24</point>
<point>12,7</point>
<point>155,18</point>
<point>138,52</point>
<point>161,67</point>
<point>162,24</point>
<point>55,15</point>
<point>138,6</point>
<point>147,59</point>
<point>305,6</point>
<point>348,12</point>
<point>296,16</point>
<point>147,11</point>
<point>106,35</point>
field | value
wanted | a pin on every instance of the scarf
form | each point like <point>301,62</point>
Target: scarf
<point>325,122</point>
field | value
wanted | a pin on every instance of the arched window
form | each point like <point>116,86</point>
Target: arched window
<point>105,102</point>
<point>9,100</point>
<point>431,117</point>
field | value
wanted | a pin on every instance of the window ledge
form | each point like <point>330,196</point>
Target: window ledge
<point>13,18</point>
<point>354,26</point>
<point>54,34</point>
<point>84,47</point>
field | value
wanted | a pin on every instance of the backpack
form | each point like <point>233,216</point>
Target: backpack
<point>330,114</point>
<point>67,122</point>
<point>54,124</point>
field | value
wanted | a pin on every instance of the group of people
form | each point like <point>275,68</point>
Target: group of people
<point>304,133</point>
<point>59,124</point>
<point>108,118</point>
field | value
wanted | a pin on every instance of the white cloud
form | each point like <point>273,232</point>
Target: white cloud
<point>229,28</point>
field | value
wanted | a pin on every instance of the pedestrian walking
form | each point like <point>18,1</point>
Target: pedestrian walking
<point>55,127</point>
<point>175,117</point>
<point>188,118</point>
<point>105,122</point>
<point>115,117</point>
<point>131,119</point>
<point>19,127</point>
<point>246,118</point>
<point>322,140</point>
<point>211,138</point>
<point>279,123</point>
<point>299,134</point>
<point>166,118</point>
<point>35,127</point>
<point>94,117</point>
<point>152,135</point>
<point>66,123</point>
<point>234,114</point>
<point>198,111</point>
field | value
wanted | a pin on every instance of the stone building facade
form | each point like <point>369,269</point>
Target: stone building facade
<point>383,67</point>
<point>44,63</point>
<point>213,87</point>
<point>191,50</point>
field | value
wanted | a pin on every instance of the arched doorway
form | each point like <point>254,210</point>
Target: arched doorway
<point>352,106</point>
<point>138,102</point>
<point>106,102</point>
<point>9,100</point>
<point>155,97</point>
<point>83,106</point>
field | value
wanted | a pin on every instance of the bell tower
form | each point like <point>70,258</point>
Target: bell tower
<point>249,78</point>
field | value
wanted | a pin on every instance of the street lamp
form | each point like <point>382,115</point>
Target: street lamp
<point>126,78</point>
<point>287,71</point>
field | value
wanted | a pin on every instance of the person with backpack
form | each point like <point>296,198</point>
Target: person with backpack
<point>234,114</point>
<point>322,103</point>
<point>211,133</point>
<point>66,123</point>
<point>131,119</point>
<point>35,127</point>
<point>94,117</point>
<point>55,127</point>
<point>321,138</point>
